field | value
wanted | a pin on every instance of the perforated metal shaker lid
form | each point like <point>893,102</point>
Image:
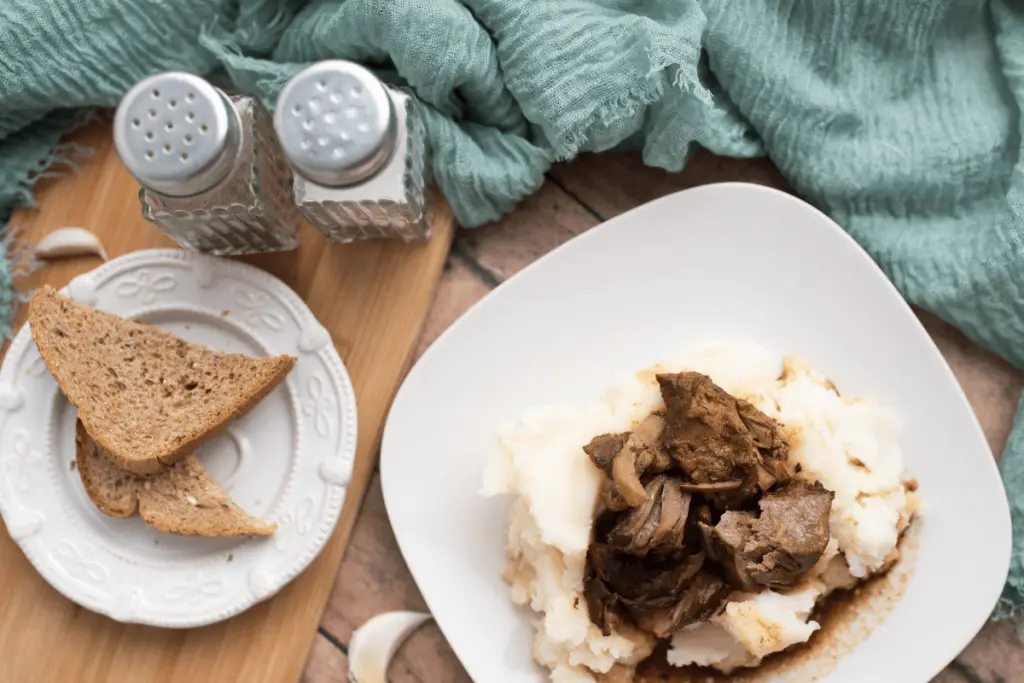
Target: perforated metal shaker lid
<point>176,133</point>
<point>336,123</point>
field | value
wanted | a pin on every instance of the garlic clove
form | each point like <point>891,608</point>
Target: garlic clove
<point>67,242</point>
<point>375,642</point>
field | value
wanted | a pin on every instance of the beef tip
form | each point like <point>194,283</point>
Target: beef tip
<point>795,521</point>
<point>777,569</point>
<point>627,456</point>
<point>777,547</point>
<point>763,430</point>
<point>700,601</point>
<point>768,439</point>
<point>603,448</point>
<point>716,438</point>
<point>703,430</point>
<point>659,523</point>
<point>727,544</point>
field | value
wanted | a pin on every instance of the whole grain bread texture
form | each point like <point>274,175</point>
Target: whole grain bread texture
<point>147,397</point>
<point>182,499</point>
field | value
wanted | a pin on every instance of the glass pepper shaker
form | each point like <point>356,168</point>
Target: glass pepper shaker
<point>357,150</point>
<point>212,173</point>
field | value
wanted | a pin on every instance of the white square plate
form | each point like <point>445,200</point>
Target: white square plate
<point>785,277</point>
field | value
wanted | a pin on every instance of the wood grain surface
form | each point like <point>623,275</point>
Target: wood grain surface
<point>576,197</point>
<point>372,298</point>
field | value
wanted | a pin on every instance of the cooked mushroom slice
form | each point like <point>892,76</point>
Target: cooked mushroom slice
<point>675,509</point>
<point>715,487</point>
<point>659,522</point>
<point>635,528</point>
<point>645,441</point>
<point>624,474</point>
<point>627,456</point>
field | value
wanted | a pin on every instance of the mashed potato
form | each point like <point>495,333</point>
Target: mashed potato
<point>850,445</point>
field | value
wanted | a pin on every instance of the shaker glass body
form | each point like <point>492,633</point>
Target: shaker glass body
<point>212,173</point>
<point>357,149</point>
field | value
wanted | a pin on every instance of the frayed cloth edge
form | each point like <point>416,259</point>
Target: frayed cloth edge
<point>640,95</point>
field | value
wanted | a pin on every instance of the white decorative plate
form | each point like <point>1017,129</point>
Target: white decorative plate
<point>288,460</point>
<point>728,262</point>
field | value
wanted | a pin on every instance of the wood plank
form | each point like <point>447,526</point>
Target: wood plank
<point>542,222</point>
<point>991,384</point>
<point>994,656</point>
<point>326,663</point>
<point>950,675</point>
<point>372,298</point>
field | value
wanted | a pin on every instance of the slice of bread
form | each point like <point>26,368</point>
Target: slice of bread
<point>145,396</point>
<point>182,499</point>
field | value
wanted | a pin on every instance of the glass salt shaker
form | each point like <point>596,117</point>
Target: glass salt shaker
<point>212,173</point>
<point>357,150</point>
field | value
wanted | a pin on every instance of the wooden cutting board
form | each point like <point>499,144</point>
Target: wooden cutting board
<point>372,297</point>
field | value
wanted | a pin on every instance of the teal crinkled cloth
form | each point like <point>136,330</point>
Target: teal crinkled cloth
<point>899,119</point>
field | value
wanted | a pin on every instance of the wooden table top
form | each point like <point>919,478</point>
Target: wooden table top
<point>577,196</point>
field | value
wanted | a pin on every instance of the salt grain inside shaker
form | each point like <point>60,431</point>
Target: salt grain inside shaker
<point>212,173</point>
<point>357,149</point>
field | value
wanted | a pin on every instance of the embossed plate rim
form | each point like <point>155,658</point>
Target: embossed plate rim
<point>260,568</point>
